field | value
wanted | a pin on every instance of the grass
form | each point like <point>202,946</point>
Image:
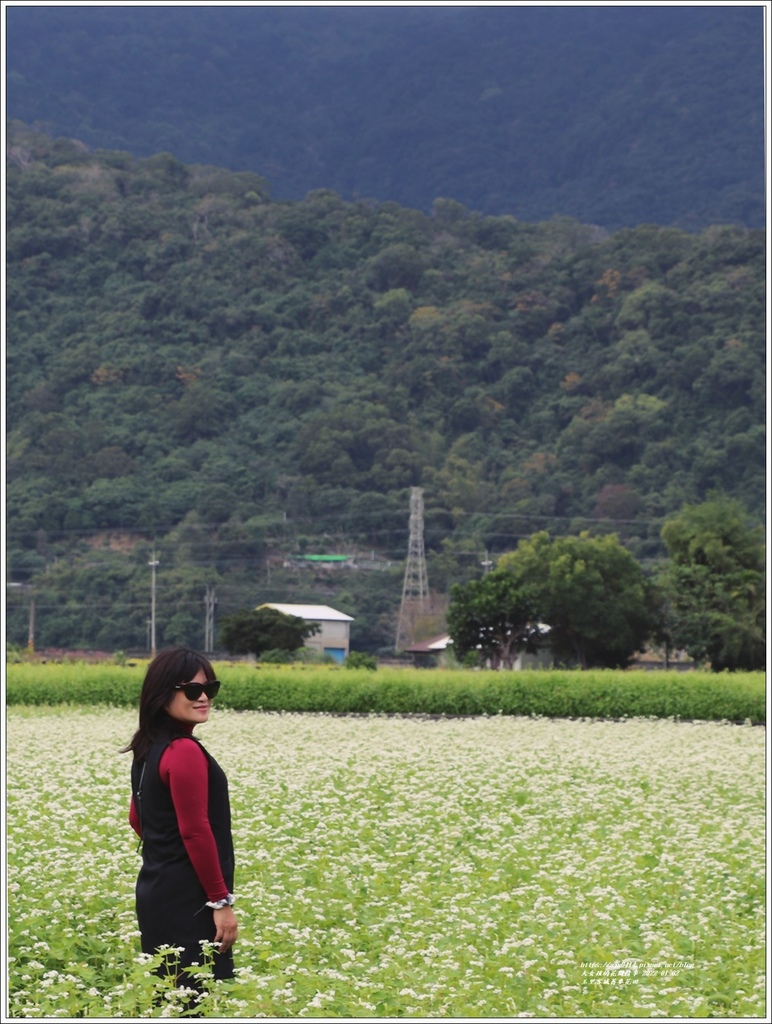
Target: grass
<point>479,867</point>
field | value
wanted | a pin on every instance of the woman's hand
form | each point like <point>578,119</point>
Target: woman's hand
<point>226,928</point>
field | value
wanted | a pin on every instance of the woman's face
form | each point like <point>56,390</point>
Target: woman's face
<point>191,711</point>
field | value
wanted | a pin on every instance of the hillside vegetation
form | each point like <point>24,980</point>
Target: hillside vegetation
<point>192,363</point>
<point>616,115</point>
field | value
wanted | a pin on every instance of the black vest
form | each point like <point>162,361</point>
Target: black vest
<point>171,902</point>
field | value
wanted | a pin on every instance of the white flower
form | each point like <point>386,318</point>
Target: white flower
<point>423,880</point>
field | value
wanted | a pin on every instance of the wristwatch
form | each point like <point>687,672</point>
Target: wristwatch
<point>227,901</point>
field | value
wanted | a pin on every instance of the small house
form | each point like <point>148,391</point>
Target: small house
<point>429,653</point>
<point>433,652</point>
<point>334,634</point>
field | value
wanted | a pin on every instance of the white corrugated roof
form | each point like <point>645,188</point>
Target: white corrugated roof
<point>312,612</point>
<point>439,643</point>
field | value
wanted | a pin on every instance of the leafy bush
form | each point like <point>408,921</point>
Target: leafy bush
<point>277,656</point>
<point>357,659</point>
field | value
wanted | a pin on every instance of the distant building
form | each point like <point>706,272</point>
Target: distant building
<point>653,658</point>
<point>371,561</point>
<point>429,653</point>
<point>334,635</point>
<point>320,562</point>
<point>432,652</point>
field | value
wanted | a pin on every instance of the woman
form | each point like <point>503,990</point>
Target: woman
<point>181,812</point>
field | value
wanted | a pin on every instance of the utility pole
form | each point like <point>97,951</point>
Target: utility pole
<point>209,602</point>
<point>153,564</point>
<point>26,587</point>
<point>415,588</point>
<point>31,631</point>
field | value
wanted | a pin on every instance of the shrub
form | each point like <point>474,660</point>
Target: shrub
<point>357,659</point>
<point>277,656</point>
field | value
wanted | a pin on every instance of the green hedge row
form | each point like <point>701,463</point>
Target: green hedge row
<point>736,697</point>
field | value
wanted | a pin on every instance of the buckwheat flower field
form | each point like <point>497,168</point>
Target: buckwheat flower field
<point>484,867</point>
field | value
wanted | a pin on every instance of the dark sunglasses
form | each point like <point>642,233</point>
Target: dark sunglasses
<point>194,690</point>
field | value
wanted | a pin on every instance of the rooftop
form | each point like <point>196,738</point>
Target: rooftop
<point>438,643</point>
<point>311,612</point>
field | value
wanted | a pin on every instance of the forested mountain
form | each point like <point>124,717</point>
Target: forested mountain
<point>194,364</point>
<point>615,115</point>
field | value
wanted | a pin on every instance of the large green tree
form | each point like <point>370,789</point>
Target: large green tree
<point>715,585</point>
<point>495,615</point>
<point>590,591</point>
<point>264,629</point>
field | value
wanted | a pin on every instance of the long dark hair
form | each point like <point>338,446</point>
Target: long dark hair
<point>168,669</point>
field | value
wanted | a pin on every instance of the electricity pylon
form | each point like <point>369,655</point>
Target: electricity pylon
<point>415,589</point>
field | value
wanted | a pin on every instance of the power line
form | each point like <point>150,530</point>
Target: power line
<point>337,518</point>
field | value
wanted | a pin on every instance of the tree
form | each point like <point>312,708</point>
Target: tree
<point>264,629</point>
<point>495,616</point>
<point>715,585</point>
<point>591,592</point>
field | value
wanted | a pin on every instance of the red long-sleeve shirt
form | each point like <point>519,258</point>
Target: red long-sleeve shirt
<point>184,769</point>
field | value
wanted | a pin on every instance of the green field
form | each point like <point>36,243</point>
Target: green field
<point>386,866</point>
<point>734,697</point>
